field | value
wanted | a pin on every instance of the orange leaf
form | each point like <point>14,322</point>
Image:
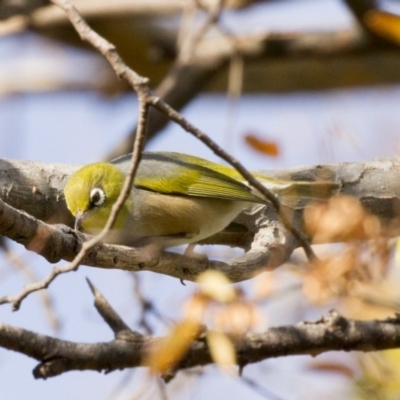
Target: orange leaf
<point>334,367</point>
<point>216,285</point>
<point>384,24</point>
<point>168,351</point>
<point>262,146</point>
<point>222,350</point>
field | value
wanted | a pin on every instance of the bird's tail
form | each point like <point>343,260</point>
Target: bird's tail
<point>318,190</point>
<point>310,190</point>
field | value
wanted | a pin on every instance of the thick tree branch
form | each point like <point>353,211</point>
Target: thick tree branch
<point>37,188</point>
<point>330,333</point>
<point>275,54</point>
<point>267,241</point>
<point>296,60</point>
<point>375,183</point>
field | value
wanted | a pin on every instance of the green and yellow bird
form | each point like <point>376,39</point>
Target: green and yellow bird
<point>176,198</point>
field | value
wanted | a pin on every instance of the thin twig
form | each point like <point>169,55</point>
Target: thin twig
<point>262,391</point>
<point>109,315</point>
<point>86,246</point>
<point>139,84</point>
<point>145,305</point>
<point>87,33</point>
<point>20,266</point>
<point>190,41</point>
<point>162,389</point>
<point>247,175</point>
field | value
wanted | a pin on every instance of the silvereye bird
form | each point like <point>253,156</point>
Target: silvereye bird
<point>175,199</point>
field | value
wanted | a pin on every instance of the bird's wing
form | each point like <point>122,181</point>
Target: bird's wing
<point>174,173</point>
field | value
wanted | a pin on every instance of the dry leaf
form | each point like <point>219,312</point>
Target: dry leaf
<point>342,218</point>
<point>384,24</point>
<point>237,317</point>
<point>222,350</point>
<point>331,366</point>
<point>167,352</point>
<point>217,286</point>
<point>263,146</point>
<point>195,308</point>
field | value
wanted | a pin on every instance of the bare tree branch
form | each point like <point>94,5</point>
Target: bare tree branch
<point>37,188</point>
<point>11,8</point>
<point>26,270</point>
<point>276,54</point>
<point>138,82</point>
<point>267,242</point>
<point>296,60</point>
<point>186,78</point>
<point>333,332</point>
<point>112,319</point>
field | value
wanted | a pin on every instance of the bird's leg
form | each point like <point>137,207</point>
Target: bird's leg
<point>189,252</point>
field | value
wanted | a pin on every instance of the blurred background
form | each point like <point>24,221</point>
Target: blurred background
<point>277,83</point>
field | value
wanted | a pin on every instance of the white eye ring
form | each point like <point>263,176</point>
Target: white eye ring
<point>97,197</point>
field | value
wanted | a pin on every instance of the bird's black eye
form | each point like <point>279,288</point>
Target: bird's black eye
<point>97,197</point>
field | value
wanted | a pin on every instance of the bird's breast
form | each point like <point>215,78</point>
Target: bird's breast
<point>182,219</point>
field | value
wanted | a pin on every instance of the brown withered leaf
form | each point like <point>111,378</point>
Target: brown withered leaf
<point>351,270</point>
<point>222,350</point>
<point>266,147</point>
<point>384,24</point>
<point>237,318</point>
<point>342,218</point>
<point>216,286</point>
<point>329,278</point>
<point>333,367</point>
<point>167,352</point>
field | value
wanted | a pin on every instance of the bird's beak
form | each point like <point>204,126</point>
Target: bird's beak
<point>79,217</point>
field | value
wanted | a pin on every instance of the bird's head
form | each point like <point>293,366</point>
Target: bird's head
<point>90,194</point>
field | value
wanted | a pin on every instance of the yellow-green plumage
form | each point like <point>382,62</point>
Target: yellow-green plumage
<point>77,193</point>
<point>176,198</point>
